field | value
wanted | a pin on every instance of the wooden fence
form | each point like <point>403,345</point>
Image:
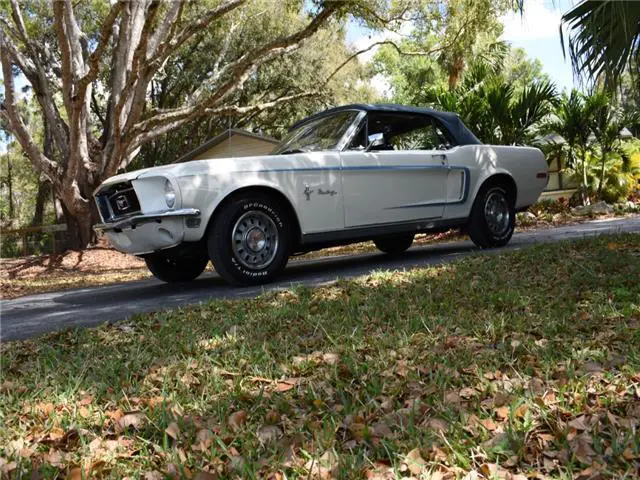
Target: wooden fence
<point>26,231</point>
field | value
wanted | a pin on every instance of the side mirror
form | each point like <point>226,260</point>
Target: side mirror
<point>375,140</point>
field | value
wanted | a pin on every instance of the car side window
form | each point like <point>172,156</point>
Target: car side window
<point>421,138</point>
<point>359,140</point>
<point>408,132</point>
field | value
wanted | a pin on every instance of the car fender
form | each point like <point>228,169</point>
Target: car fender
<point>208,200</point>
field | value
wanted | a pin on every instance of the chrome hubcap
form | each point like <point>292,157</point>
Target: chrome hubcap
<point>497,214</point>
<point>254,240</point>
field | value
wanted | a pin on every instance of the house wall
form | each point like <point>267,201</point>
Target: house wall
<point>559,181</point>
<point>237,146</point>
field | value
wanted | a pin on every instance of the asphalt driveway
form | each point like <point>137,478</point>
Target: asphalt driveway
<point>37,314</point>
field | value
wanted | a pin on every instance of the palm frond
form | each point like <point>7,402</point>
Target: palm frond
<point>604,35</point>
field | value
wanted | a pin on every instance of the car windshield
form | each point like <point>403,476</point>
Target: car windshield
<point>322,134</point>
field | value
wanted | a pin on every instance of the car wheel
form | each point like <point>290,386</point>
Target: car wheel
<point>492,219</point>
<point>394,244</point>
<point>250,240</point>
<point>174,268</point>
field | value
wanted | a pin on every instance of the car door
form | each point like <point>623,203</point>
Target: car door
<point>399,179</point>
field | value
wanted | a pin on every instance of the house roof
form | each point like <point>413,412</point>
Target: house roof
<point>212,142</point>
<point>451,121</point>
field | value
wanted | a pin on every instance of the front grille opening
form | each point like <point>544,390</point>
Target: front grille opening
<point>118,201</point>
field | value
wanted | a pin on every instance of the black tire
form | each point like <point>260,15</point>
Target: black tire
<point>394,244</point>
<point>491,227</point>
<point>176,268</point>
<point>232,258</point>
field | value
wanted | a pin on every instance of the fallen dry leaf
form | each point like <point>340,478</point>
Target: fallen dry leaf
<point>628,454</point>
<point>204,438</point>
<point>381,430</point>
<point>579,423</point>
<point>272,417</point>
<point>582,450</point>
<point>269,433</point>
<point>502,413</point>
<point>205,476</point>
<point>237,420</point>
<point>414,461</point>
<point>536,385</point>
<point>437,424</point>
<point>467,392</point>
<point>236,464</point>
<point>286,385</point>
<point>380,471</point>
<point>54,457</point>
<point>173,430</point>
<point>493,470</point>
<point>488,424</point>
<point>323,467</point>
<point>131,419</point>
<point>153,475</point>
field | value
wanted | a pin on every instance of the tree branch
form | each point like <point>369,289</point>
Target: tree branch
<point>222,110</point>
<point>65,53</point>
<point>105,33</point>
<point>167,26</point>
<point>180,38</point>
<point>34,71</point>
<point>239,71</point>
<point>399,50</point>
<point>10,112</point>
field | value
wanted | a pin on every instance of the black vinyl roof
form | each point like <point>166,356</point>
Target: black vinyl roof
<point>461,134</point>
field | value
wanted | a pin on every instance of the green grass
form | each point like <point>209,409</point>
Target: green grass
<point>526,362</point>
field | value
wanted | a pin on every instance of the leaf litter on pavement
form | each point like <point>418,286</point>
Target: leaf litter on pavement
<point>523,365</point>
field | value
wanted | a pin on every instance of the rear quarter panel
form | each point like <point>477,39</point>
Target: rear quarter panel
<point>484,161</point>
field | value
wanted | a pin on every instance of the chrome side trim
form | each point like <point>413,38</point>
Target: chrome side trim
<point>135,220</point>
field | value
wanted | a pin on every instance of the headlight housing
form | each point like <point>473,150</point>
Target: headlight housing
<point>169,194</point>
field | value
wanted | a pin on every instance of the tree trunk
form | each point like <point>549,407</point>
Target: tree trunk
<point>604,158</point>
<point>44,192</point>
<point>454,72</point>
<point>585,183</point>
<point>10,187</point>
<point>79,228</point>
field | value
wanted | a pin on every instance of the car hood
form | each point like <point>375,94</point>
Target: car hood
<point>195,167</point>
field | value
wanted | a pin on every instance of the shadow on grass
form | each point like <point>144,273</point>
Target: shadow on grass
<point>326,269</point>
<point>527,360</point>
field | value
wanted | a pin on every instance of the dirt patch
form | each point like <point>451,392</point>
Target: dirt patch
<point>95,266</point>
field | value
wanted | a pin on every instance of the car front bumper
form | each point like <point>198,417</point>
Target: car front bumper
<point>139,219</point>
<point>146,233</point>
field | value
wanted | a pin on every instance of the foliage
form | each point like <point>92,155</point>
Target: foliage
<point>296,72</point>
<point>621,175</point>
<point>593,150</point>
<point>511,363</point>
<point>489,105</point>
<point>97,68</point>
<point>604,37</point>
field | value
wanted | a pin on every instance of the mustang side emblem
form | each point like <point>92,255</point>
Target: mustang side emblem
<point>327,192</point>
<point>307,192</point>
<point>122,203</point>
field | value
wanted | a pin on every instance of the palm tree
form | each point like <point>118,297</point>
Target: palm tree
<point>491,108</point>
<point>607,120</point>
<point>604,37</point>
<point>571,121</point>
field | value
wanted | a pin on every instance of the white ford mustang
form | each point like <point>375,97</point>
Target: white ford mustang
<point>352,173</point>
